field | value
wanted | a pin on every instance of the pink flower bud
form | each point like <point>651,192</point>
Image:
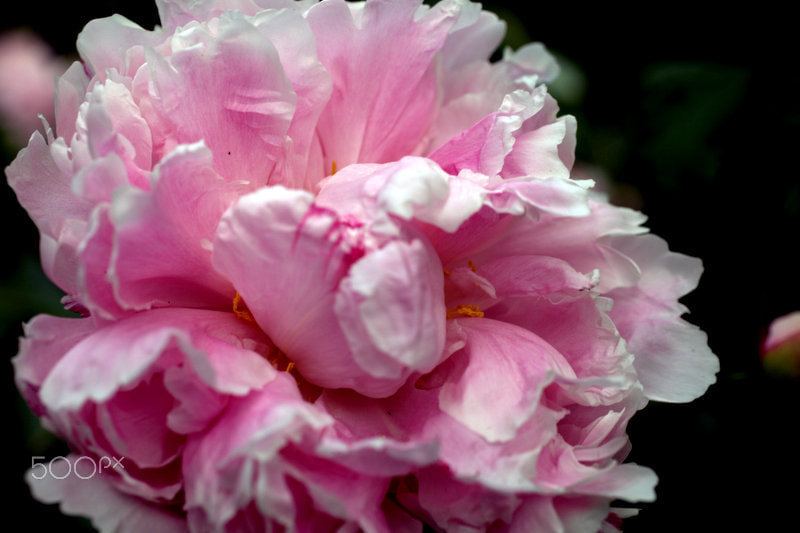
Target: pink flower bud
<point>781,350</point>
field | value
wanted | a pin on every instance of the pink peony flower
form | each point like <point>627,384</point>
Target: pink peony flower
<point>780,352</point>
<point>335,276</point>
<point>28,69</point>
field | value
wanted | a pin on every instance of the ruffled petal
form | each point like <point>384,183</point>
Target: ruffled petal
<point>70,91</point>
<point>303,257</point>
<point>391,310</point>
<point>302,165</point>
<point>318,302</point>
<point>45,192</point>
<point>673,360</point>
<point>107,43</point>
<point>229,90</point>
<point>247,441</point>
<point>484,147</point>
<point>175,13</point>
<point>578,514</point>
<point>384,97</point>
<point>46,340</point>
<point>498,378</point>
<point>474,37</point>
<point>124,352</point>
<point>412,188</point>
<point>113,124</point>
<point>163,239</point>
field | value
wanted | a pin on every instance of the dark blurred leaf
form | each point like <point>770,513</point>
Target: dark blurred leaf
<point>684,105</point>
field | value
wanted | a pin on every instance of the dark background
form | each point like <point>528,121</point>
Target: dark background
<point>694,114</point>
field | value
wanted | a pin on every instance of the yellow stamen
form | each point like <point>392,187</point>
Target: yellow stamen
<point>472,265</point>
<point>281,363</point>
<point>242,312</point>
<point>446,272</point>
<point>333,167</point>
<point>465,310</point>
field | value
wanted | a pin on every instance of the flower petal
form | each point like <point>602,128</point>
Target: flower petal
<point>384,97</point>
<point>123,352</point>
<point>106,44</point>
<point>673,360</point>
<point>500,376</point>
<point>391,309</point>
<point>228,90</point>
<point>162,241</point>
<point>320,316</point>
<point>45,192</point>
<point>46,340</point>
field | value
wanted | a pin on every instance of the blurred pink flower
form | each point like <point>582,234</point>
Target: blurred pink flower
<point>335,274</point>
<point>28,70</point>
<point>781,349</point>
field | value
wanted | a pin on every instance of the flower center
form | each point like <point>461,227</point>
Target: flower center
<point>279,360</point>
<point>240,309</point>
<point>465,310</point>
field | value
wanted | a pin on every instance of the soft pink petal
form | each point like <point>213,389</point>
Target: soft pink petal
<point>70,91</point>
<point>124,352</point>
<point>462,506</point>
<point>469,94</point>
<point>578,326</point>
<point>230,91</point>
<point>673,360</point>
<point>59,255</point>
<point>106,43</point>
<point>391,310</point>
<point>378,456</point>
<point>175,13</point>
<point>474,37</point>
<point>163,240</point>
<point>582,241</point>
<point>95,291</point>
<point>578,514</point>
<point>197,403</point>
<point>414,415</point>
<point>339,492</point>
<point>289,32</point>
<point>303,255</point>
<point>557,196</point>
<point>111,394</point>
<point>318,302</point>
<point>629,482</point>
<point>483,147</point>
<point>782,329</point>
<point>412,188</point>
<point>114,124</point>
<point>531,61</point>
<point>384,97</point>
<point>533,275</point>
<point>498,378</point>
<point>45,192</point>
<point>46,340</point>
<point>247,441</point>
<point>132,424</point>
<point>538,153</point>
